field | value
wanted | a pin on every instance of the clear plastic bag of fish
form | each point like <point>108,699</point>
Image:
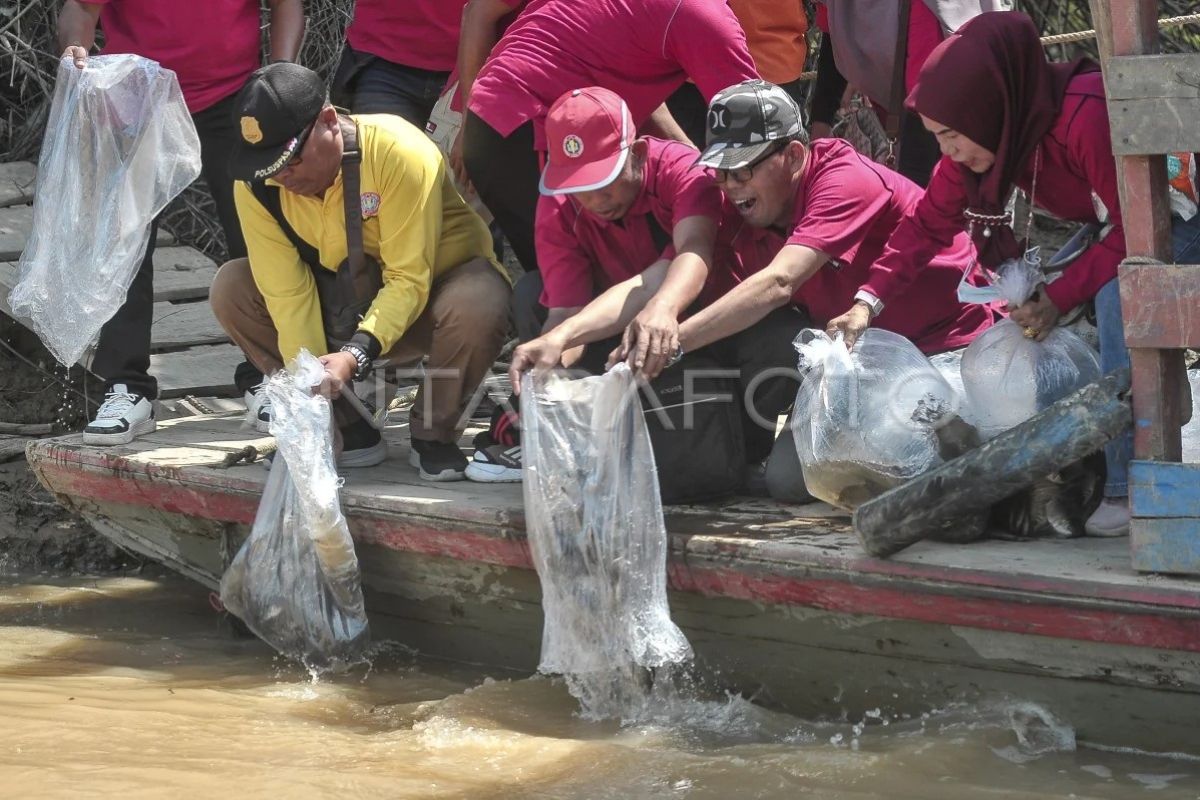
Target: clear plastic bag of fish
<point>295,582</point>
<point>119,146</point>
<point>1009,377</point>
<point>595,526</point>
<point>870,419</point>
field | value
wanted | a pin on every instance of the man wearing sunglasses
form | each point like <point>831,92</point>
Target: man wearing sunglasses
<point>807,223</point>
<point>437,288</point>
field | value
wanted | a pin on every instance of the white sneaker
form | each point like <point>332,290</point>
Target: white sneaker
<point>258,408</point>
<point>122,417</point>
<point>1110,519</point>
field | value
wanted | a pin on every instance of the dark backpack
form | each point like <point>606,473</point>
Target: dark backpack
<point>695,430</point>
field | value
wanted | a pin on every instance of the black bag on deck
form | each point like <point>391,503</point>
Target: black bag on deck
<point>347,294</point>
<point>695,425</point>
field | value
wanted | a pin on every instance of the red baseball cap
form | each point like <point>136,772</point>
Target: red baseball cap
<point>588,132</point>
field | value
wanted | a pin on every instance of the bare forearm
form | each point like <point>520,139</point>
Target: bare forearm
<point>287,29</point>
<point>612,311</point>
<point>682,285</point>
<point>746,304</point>
<point>77,25</point>
<point>480,21</point>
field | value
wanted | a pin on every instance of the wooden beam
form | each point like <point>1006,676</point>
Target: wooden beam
<point>179,325</point>
<point>1157,411</point>
<point>1161,305</point>
<point>1161,490</point>
<point>199,371</point>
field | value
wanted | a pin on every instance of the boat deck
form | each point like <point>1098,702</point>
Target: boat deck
<point>180,469</point>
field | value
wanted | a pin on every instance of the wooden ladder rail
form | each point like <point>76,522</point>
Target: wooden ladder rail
<point>1154,109</point>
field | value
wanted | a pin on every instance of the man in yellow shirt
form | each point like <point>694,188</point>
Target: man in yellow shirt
<point>440,291</point>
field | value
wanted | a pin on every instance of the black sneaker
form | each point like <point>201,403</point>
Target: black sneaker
<point>438,461</point>
<point>494,462</point>
<point>362,446</point>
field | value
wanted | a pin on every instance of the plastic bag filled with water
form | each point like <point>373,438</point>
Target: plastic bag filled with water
<point>119,146</point>
<point>596,532</point>
<point>870,419</point>
<point>1008,377</point>
<point>295,582</point>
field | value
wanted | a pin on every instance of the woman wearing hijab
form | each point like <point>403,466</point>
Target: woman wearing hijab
<point>1005,117</point>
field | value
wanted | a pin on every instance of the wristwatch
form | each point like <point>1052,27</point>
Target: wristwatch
<point>362,360</point>
<point>873,303</point>
<point>675,357</point>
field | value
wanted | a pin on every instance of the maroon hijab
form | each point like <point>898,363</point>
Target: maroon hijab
<point>991,82</point>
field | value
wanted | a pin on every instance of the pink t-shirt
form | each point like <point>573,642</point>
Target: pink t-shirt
<point>415,33</point>
<point>580,255</point>
<point>1076,161</point>
<point>212,46</point>
<point>641,49</point>
<point>848,207</point>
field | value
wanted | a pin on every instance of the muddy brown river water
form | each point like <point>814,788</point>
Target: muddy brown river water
<point>129,687</point>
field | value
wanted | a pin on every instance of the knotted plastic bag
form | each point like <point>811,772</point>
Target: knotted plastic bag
<point>870,419</point>
<point>1009,377</point>
<point>119,146</point>
<point>595,527</point>
<point>295,582</point>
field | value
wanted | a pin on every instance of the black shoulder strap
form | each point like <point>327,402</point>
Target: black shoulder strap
<point>351,160</point>
<point>269,197</point>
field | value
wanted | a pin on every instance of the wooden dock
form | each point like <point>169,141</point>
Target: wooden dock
<point>190,354</point>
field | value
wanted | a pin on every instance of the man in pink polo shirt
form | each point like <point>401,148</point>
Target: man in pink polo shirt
<point>212,47</point>
<point>398,56</point>
<point>813,219</point>
<point>641,49</point>
<point>636,217</point>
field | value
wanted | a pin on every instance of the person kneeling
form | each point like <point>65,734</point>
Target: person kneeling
<point>408,272</point>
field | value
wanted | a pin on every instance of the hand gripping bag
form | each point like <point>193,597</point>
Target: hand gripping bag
<point>870,419</point>
<point>295,582</point>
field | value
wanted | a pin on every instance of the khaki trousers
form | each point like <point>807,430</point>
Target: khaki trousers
<point>462,329</point>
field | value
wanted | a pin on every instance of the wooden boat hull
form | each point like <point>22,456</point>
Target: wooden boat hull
<point>786,609</point>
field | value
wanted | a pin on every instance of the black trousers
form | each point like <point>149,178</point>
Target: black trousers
<point>505,171</point>
<point>123,352</point>
<point>763,354</point>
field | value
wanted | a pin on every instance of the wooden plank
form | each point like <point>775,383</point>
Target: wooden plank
<point>16,183</point>
<point>183,325</point>
<point>1150,76</point>
<point>1153,103</point>
<point>1170,546</point>
<point>1161,489</point>
<point>12,447</point>
<point>200,370</point>
<point>182,273</point>
<point>16,222</point>
<point>1154,125</point>
<point>1161,305</point>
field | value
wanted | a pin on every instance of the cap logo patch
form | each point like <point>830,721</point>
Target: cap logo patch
<point>370,204</point>
<point>250,130</point>
<point>573,146</point>
<point>718,119</point>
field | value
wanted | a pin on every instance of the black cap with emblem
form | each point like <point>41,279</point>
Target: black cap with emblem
<point>746,120</point>
<point>274,113</point>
